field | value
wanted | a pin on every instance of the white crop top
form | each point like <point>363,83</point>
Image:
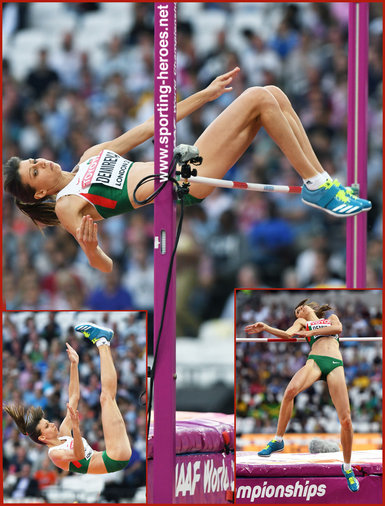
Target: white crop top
<point>68,444</point>
<point>107,168</point>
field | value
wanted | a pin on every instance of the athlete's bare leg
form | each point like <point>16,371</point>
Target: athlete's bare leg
<point>225,140</point>
<point>301,380</point>
<point>296,125</point>
<point>339,395</point>
<point>230,134</point>
<point>114,429</point>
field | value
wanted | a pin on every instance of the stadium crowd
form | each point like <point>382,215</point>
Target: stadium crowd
<point>265,369</point>
<point>72,96</point>
<point>36,373</point>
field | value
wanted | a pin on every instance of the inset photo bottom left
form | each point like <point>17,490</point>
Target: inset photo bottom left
<point>74,410</point>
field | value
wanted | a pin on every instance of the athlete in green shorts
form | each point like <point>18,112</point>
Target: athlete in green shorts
<point>324,363</point>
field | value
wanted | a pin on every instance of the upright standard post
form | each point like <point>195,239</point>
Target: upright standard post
<point>163,476</point>
<point>356,236</point>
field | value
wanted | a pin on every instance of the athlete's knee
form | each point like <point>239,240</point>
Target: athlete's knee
<point>260,99</point>
<point>106,398</point>
<point>279,95</point>
<point>346,420</point>
<point>290,392</point>
<point>121,450</point>
<point>126,453</point>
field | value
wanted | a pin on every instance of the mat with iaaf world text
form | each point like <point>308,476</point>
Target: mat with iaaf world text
<point>204,461</point>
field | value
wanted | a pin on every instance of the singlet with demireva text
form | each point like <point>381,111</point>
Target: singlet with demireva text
<point>102,181</point>
<point>318,324</point>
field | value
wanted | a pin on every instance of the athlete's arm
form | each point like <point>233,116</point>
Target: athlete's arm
<point>257,327</point>
<point>87,236</point>
<point>59,457</point>
<point>335,328</point>
<point>141,133</point>
<point>78,443</point>
<point>73,391</point>
<point>85,231</point>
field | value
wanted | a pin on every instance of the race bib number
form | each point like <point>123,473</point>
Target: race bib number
<point>319,324</point>
<point>107,168</point>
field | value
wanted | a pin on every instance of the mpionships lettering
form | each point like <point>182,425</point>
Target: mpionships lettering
<point>305,490</point>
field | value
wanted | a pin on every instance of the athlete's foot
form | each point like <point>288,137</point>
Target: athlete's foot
<point>333,198</point>
<point>271,447</point>
<point>353,484</point>
<point>366,204</point>
<point>95,333</point>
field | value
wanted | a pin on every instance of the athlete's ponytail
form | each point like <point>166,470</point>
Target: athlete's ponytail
<point>26,420</point>
<point>319,310</point>
<point>40,211</point>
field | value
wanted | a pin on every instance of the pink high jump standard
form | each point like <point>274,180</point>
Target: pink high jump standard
<point>287,478</point>
<point>161,475</point>
<point>356,233</point>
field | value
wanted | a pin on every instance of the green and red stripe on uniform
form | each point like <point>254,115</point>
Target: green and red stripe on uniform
<point>98,200</point>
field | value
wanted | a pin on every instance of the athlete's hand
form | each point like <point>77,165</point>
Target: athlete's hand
<point>220,85</point>
<point>255,328</point>
<point>74,414</point>
<point>87,234</point>
<point>72,355</point>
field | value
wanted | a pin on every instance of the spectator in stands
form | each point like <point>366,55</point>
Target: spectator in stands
<point>25,486</point>
<point>42,77</point>
<point>112,296</point>
<point>46,475</point>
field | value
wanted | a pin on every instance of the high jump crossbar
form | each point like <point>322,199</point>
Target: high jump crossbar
<point>239,185</point>
<point>163,475</point>
<point>357,129</point>
<point>298,339</point>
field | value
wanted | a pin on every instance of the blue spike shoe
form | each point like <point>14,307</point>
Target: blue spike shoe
<point>366,204</point>
<point>271,447</point>
<point>353,484</point>
<point>94,332</point>
<point>334,199</point>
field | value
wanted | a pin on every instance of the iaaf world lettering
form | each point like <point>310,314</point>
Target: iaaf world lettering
<point>212,478</point>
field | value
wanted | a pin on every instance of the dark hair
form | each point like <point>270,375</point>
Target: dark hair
<point>26,420</point>
<point>319,310</point>
<point>40,211</point>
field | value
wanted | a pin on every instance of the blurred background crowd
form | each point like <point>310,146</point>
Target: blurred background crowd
<point>36,373</point>
<point>265,369</point>
<point>87,77</point>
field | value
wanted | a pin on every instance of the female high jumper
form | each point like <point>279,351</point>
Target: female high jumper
<point>67,449</point>
<point>324,362</point>
<point>102,183</point>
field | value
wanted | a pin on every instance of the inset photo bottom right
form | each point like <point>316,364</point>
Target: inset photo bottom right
<point>309,396</point>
